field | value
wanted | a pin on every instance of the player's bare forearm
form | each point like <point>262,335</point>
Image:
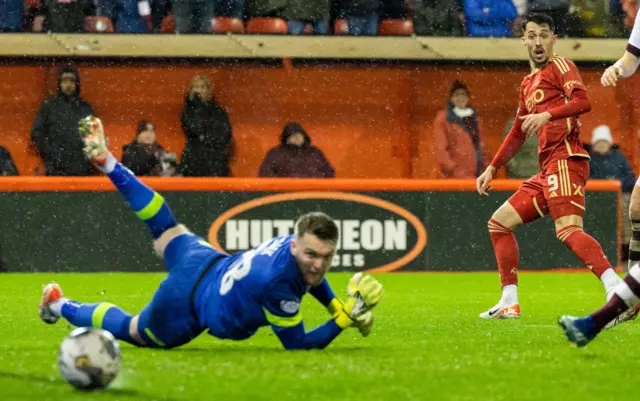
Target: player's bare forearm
<point>623,68</point>
<point>482,182</point>
<point>628,63</point>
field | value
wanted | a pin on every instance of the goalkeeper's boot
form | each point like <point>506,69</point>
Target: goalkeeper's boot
<point>95,145</point>
<point>51,293</point>
<point>629,314</point>
<point>502,312</point>
<point>579,331</point>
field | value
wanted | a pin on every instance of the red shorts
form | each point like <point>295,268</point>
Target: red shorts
<point>559,191</point>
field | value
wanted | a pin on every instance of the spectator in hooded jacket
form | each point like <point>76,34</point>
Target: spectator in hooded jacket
<point>55,128</point>
<point>296,157</point>
<point>207,129</point>
<point>145,156</point>
<point>490,17</point>
<point>459,148</point>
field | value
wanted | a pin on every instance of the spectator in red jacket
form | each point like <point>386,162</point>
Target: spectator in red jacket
<point>296,157</point>
<point>458,145</point>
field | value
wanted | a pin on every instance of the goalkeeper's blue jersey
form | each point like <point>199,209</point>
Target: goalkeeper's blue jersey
<point>248,290</point>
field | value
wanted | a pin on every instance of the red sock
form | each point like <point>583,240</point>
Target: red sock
<point>507,252</point>
<point>586,248</point>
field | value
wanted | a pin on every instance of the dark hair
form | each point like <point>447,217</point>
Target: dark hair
<point>142,126</point>
<point>457,84</point>
<point>318,224</point>
<point>540,19</point>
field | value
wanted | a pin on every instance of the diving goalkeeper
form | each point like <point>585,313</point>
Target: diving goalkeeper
<point>230,296</point>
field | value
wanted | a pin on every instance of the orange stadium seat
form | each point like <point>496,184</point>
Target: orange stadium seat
<point>168,24</point>
<point>227,24</point>
<point>341,27</point>
<point>98,25</point>
<point>267,25</point>
<point>400,27</point>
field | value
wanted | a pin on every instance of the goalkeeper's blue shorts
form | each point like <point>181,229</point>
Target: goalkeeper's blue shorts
<point>169,320</point>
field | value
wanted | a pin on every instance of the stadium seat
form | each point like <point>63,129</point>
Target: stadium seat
<point>227,24</point>
<point>98,25</point>
<point>341,27</point>
<point>168,24</point>
<point>399,27</point>
<point>32,3</point>
<point>267,25</point>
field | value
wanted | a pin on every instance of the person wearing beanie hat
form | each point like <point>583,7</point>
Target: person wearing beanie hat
<point>460,150</point>
<point>145,156</point>
<point>607,162</point>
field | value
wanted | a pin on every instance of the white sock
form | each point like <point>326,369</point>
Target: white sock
<point>509,295</point>
<point>109,165</point>
<point>609,279</point>
<point>56,306</point>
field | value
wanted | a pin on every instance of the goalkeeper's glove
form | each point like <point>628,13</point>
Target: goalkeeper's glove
<point>363,293</point>
<point>364,322</point>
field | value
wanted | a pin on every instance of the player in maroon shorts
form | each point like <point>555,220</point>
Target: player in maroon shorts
<point>625,304</point>
<point>551,99</point>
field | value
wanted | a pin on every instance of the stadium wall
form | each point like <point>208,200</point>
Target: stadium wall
<point>389,108</point>
<point>83,225</point>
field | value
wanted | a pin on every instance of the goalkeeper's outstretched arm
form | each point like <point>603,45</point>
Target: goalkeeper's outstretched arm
<point>363,293</point>
<point>295,338</point>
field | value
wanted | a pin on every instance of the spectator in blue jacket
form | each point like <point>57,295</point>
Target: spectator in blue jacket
<point>128,16</point>
<point>490,17</point>
<point>11,15</point>
<point>607,162</point>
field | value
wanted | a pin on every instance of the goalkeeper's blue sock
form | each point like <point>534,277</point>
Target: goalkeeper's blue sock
<point>102,315</point>
<point>149,206</point>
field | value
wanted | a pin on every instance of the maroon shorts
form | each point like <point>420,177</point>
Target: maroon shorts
<point>559,191</point>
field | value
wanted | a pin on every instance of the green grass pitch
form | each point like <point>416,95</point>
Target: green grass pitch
<point>427,344</point>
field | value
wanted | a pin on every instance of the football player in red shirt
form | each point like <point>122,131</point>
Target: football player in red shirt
<point>551,99</point>
<point>625,303</point>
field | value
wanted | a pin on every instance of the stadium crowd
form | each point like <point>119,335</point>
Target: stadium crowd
<point>209,144</point>
<point>575,18</point>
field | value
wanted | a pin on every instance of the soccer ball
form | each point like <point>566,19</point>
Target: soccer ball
<point>89,358</point>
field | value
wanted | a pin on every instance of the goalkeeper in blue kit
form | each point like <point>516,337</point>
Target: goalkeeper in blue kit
<point>230,296</point>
